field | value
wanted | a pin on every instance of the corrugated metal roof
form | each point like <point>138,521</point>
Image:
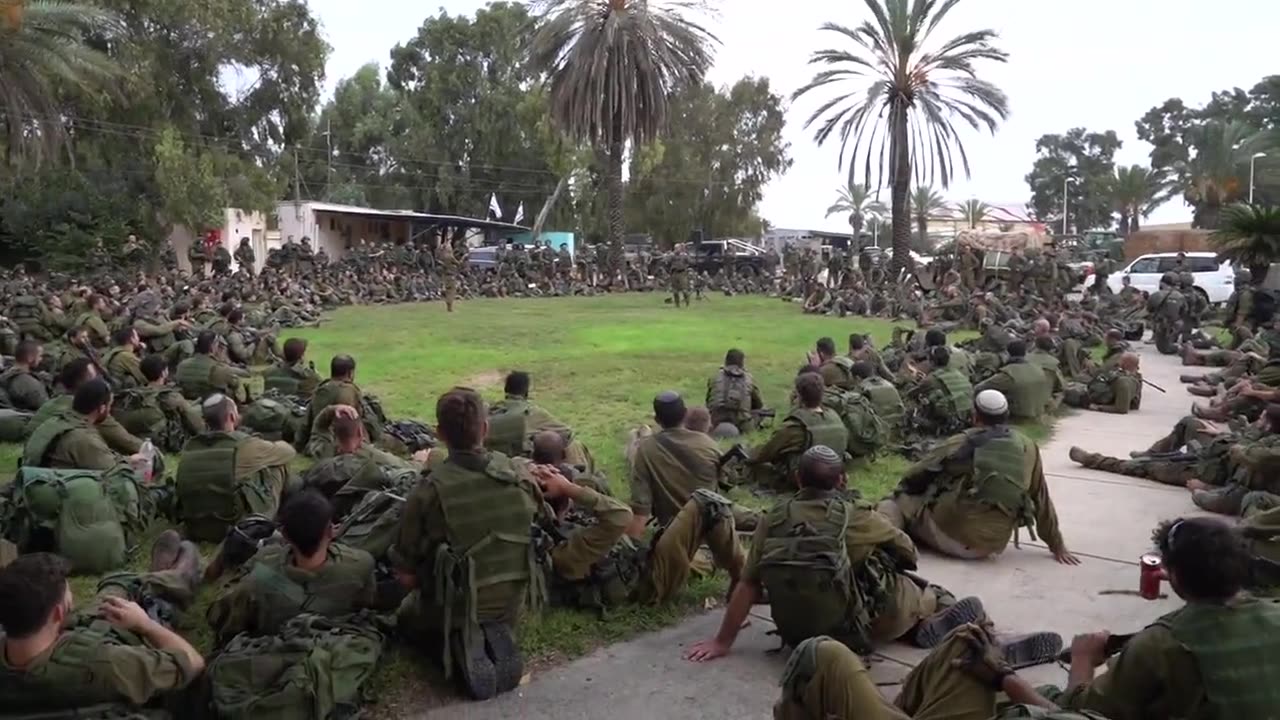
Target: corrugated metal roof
<point>428,218</point>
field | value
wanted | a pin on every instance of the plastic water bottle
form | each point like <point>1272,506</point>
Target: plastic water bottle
<point>145,463</point>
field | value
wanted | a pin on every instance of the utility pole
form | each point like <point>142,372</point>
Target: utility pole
<point>1066,179</point>
<point>297,181</point>
<point>328,159</point>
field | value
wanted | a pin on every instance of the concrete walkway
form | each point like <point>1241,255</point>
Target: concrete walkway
<point>1106,520</point>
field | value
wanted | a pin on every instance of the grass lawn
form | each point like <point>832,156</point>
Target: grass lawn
<point>596,364</point>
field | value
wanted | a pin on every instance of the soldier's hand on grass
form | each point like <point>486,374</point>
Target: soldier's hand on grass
<point>1090,648</point>
<point>706,650</point>
<point>1065,557</point>
<point>124,614</point>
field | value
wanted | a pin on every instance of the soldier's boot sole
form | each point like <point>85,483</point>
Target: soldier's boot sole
<point>932,631</point>
<point>164,553</point>
<point>1203,391</point>
<point>479,676</point>
<point>1034,649</point>
<point>1191,378</point>
<point>188,563</point>
<point>1223,501</point>
<point>507,662</point>
<point>1079,455</point>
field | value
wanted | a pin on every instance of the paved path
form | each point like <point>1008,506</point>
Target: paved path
<point>1106,519</point>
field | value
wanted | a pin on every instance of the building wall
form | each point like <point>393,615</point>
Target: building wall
<point>235,225</point>
<point>337,232</point>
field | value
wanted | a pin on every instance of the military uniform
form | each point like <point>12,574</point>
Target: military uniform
<point>225,476</point>
<point>448,265</point>
<point>668,467</point>
<point>888,404</point>
<point>246,258</point>
<point>731,396</point>
<point>680,279</point>
<point>968,496</point>
<point>161,337</point>
<point>20,389</point>
<point>112,432</point>
<point>198,256</point>
<point>1113,391</point>
<point>1026,387</point>
<point>159,414</point>
<point>774,462</point>
<point>200,376</point>
<point>271,589</point>
<point>68,441</point>
<point>838,372</point>
<point>99,333</point>
<point>945,401</point>
<point>299,379</point>
<point>123,367</point>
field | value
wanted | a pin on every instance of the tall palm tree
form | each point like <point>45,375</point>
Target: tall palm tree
<point>904,99</point>
<point>973,211</point>
<point>1217,174</point>
<point>1249,236</point>
<point>612,67</point>
<point>1136,192</point>
<point>43,52</point>
<point>858,202</point>
<point>926,203</point>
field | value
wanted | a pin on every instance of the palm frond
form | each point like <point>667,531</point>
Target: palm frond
<point>1248,235</point>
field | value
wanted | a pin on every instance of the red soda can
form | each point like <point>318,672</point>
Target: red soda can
<point>1150,567</point>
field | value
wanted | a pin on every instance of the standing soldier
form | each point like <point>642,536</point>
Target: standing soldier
<point>680,276</point>
<point>305,256</point>
<point>968,262</point>
<point>448,264</point>
<point>221,259</point>
<point>1017,269</point>
<point>245,256</point>
<point>198,256</point>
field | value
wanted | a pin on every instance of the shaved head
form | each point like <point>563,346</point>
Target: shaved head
<point>1129,361</point>
<point>548,448</point>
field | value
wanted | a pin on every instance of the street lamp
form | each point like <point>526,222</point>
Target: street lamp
<point>1253,161</point>
<point>1065,179</point>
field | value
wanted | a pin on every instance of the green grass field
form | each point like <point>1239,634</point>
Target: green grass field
<point>596,364</point>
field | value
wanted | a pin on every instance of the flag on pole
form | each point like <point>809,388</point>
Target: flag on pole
<point>495,210</point>
<point>519,214</point>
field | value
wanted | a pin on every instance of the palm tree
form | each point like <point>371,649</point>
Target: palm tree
<point>905,98</point>
<point>43,51</point>
<point>612,67</point>
<point>1136,192</point>
<point>1249,236</point>
<point>973,212</point>
<point>857,201</point>
<point>926,203</point>
<point>1218,173</point>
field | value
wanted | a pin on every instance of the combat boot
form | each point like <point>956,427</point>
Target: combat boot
<point>164,552</point>
<point>1081,456</point>
<point>1191,378</point>
<point>1224,500</point>
<point>187,563</point>
<point>1201,390</point>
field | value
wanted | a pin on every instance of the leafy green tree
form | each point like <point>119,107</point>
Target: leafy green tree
<point>891,87</point>
<point>1249,236</point>
<point>612,68</point>
<point>1088,159</point>
<point>1217,174</point>
<point>191,191</point>
<point>973,212</point>
<point>926,203</point>
<point>709,171</point>
<point>1136,192</point>
<point>860,205</point>
<point>45,54</point>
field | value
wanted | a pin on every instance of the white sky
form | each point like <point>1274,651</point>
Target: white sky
<point>1099,64</point>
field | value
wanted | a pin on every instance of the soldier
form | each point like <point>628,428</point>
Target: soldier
<point>121,362</point>
<point>472,597</point>
<point>91,319</point>
<point>680,276</point>
<point>292,375</point>
<point>1018,267</point>
<point>1116,390</point>
<point>226,474</point>
<point>944,397</point>
<point>20,389</point>
<point>837,370</point>
<point>861,350</point>
<point>968,496</point>
<point>70,438</point>
<point>246,258</point>
<point>1027,388</point>
<point>793,558</point>
<point>73,376</point>
<point>357,467</point>
<point>448,265</point>
<point>112,655</point>
<point>305,256</point>
<point>669,466</point>
<point>1239,308</point>
<point>339,389</point>
<point>198,256</point>
<point>773,464</point>
<point>221,260</point>
<point>1166,309</point>
<point>733,397</point>
<point>207,372</point>
<point>1197,304</point>
<point>309,572</point>
<point>162,335</point>
<point>157,411</point>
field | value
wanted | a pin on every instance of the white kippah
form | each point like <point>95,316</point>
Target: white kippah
<point>214,400</point>
<point>823,453</point>
<point>991,402</point>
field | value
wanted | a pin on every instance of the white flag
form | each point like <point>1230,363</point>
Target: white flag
<point>495,210</point>
<point>519,214</point>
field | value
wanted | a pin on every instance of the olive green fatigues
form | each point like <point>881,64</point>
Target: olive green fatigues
<point>667,467</point>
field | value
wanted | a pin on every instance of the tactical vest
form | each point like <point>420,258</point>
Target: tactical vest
<point>118,380</point>
<point>1100,391</point>
<point>26,312</point>
<point>1031,390</point>
<point>821,428</point>
<point>867,433</point>
<point>805,568</point>
<point>999,472</point>
<point>159,343</point>
<point>887,402</point>
<point>731,392</point>
<point>279,596</point>
<point>1237,651</point>
<point>287,380</point>
<point>194,377</point>
<point>208,492</point>
<point>142,412</point>
<point>958,391</point>
<point>509,428</point>
<point>846,371</point>
<point>46,435</point>
<point>488,520</point>
<point>66,680</point>
<point>6,381</point>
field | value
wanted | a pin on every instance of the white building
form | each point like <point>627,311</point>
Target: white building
<point>236,224</point>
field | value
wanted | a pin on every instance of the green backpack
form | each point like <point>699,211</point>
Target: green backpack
<point>13,425</point>
<point>313,670</point>
<point>374,523</point>
<point>274,417</point>
<point>86,512</point>
<point>805,568</point>
<point>141,413</point>
<point>868,433</point>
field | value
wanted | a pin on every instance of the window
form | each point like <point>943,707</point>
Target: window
<point>1167,264</point>
<point>1145,265</point>
<point>1203,264</point>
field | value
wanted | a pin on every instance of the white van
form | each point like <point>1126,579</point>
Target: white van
<point>1215,280</point>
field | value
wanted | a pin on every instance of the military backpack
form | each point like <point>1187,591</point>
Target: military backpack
<point>867,433</point>
<point>142,413</point>
<point>84,515</point>
<point>25,311</point>
<point>731,391</point>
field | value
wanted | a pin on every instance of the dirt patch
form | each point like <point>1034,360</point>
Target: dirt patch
<point>483,380</point>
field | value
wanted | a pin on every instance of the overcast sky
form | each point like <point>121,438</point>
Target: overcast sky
<point>1099,64</point>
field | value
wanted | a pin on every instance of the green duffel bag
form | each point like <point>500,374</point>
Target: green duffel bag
<point>13,425</point>
<point>88,513</point>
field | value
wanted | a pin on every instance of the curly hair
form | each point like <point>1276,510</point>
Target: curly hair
<point>1208,557</point>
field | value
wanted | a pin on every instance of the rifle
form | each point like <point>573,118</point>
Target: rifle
<point>1114,645</point>
<point>1157,387</point>
<point>737,452</point>
<point>762,415</point>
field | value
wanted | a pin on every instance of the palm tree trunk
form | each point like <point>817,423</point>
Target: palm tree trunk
<point>550,203</point>
<point>901,194</point>
<point>922,225</point>
<point>614,189</point>
<point>856,221</point>
<point>1133,224</point>
<point>1123,226</point>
